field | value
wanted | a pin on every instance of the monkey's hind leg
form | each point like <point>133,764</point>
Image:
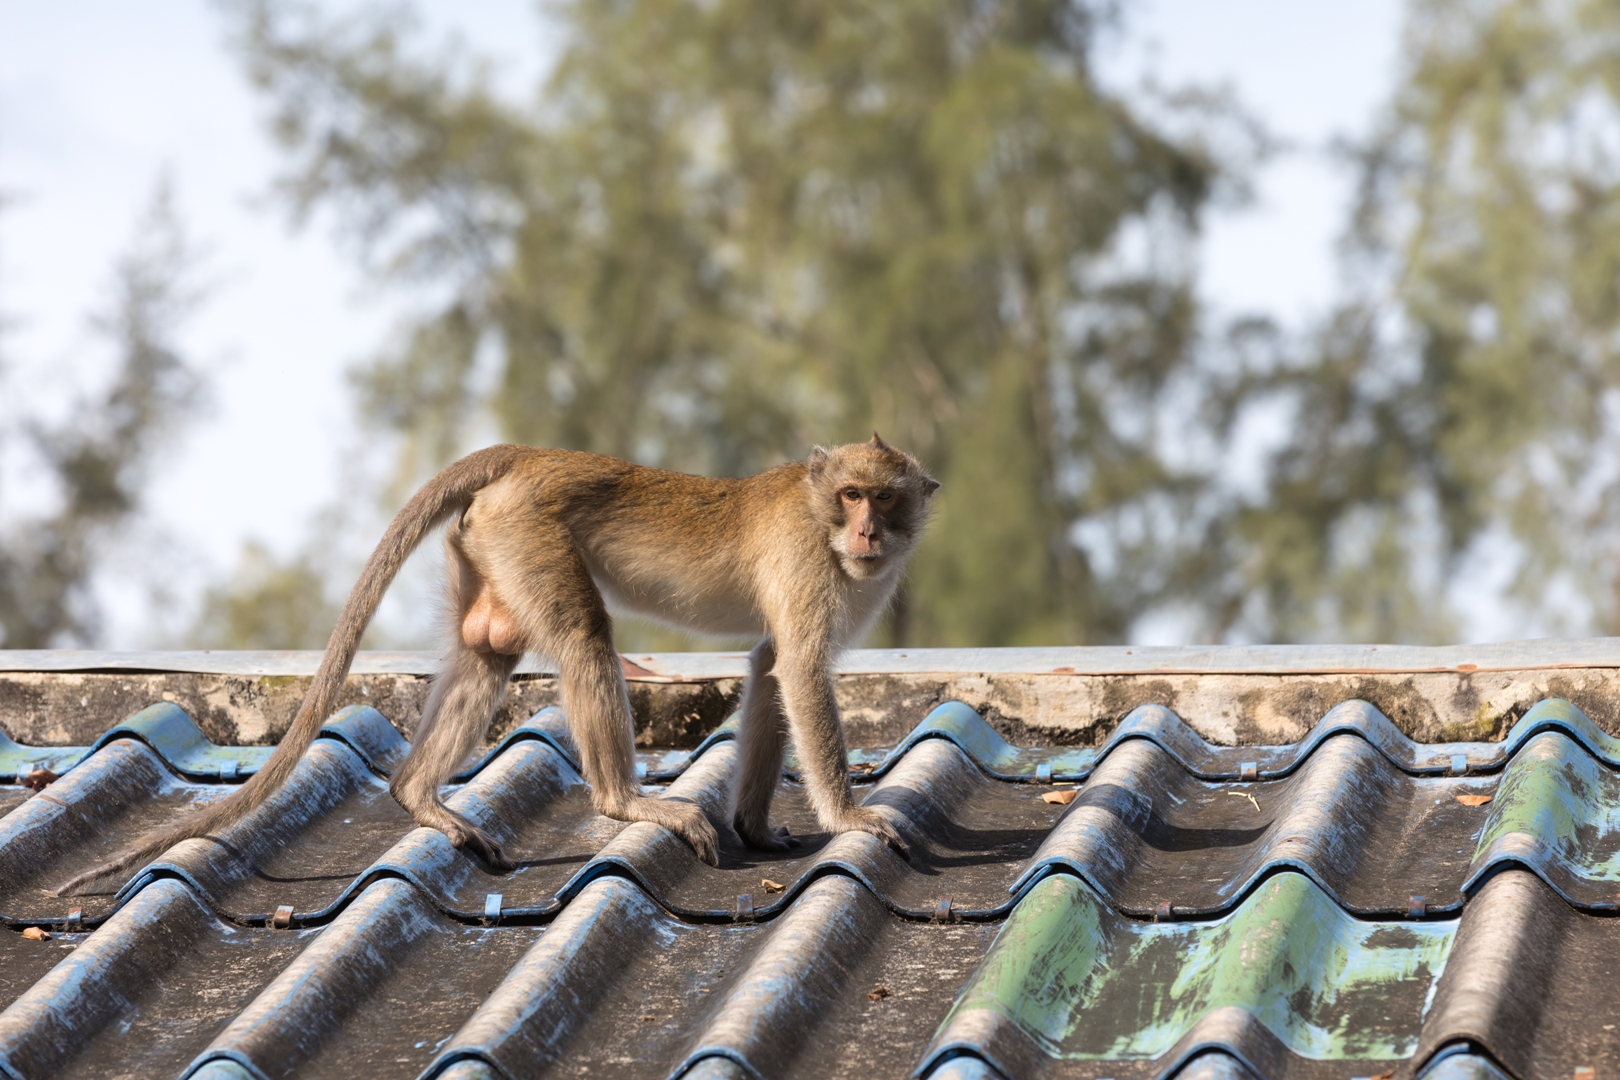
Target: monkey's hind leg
<point>760,738</point>
<point>599,716</point>
<point>458,711</point>
<point>541,581</point>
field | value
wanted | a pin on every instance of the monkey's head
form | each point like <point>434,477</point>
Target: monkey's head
<point>873,500</point>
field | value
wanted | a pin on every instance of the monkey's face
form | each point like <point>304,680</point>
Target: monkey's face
<point>873,500</point>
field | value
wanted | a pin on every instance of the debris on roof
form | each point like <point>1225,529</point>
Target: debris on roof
<point>1345,905</point>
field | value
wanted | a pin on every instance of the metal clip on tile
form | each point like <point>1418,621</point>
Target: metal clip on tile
<point>942,910</point>
<point>227,770</point>
<point>745,907</point>
<point>492,908</point>
<point>1043,773</point>
<point>75,919</point>
<point>1163,912</point>
<point>282,917</point>
<point>1417,908</point>
<point>1248,770</point>
<point>1459,764</point>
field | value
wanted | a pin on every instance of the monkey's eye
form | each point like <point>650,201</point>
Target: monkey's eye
<point>852,495</point>
<point>884,496</point>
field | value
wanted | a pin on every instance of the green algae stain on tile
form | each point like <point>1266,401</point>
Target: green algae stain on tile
<point>1087,983</point>
<point>1565,714</point>
<point>1038,964</point>
<point>1556,798</point>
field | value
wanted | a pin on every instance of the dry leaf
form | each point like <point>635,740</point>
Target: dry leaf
<point>1388,1074</point>
<point>1062,798</point>
<point>37,779</point>
<point>646,1019</point>
<point>862,767</point>
<point>771,886</point>
<point>1473,800</point>
<point>34,933</point>
<point>878,993</point>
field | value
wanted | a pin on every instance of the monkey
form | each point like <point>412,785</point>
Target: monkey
<point>541,543</point>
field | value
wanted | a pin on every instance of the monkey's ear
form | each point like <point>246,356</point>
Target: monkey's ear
<point>877,442</point>
<point>930,485</point>
<point>818,462</point>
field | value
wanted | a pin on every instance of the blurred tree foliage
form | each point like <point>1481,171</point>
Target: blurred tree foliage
<point>268,604</point>
<point>1462,407</point>
<point>727,231</point>
<point>95,460</point>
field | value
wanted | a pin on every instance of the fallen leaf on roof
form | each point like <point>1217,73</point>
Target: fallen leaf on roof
<point>1387,1074</point>
<point>771,886</point>
<point>645,1019</point>
<point>1473,800</point>
<point>1062,798</point>
<point>877,993</point>
<point>37,779</point>
<point>34,933</point>
<point>862,767</point>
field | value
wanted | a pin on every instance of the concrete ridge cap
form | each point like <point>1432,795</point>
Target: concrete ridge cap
<point>1110,660</point>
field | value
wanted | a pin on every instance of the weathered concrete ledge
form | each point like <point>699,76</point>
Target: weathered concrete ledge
<point>1063,696</point>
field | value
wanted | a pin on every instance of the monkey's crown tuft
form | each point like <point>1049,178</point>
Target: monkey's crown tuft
<point>871,464</point>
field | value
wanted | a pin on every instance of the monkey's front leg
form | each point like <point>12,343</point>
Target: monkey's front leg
<point>812,711</point>
<point>759,749</point>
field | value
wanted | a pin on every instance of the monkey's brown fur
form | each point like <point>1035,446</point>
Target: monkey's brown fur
<point>540,542</point>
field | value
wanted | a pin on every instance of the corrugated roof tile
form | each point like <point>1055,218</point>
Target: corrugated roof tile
<point>1285,980</point>
<point>113,796</point>
<point>1338,912</point>
<point>1557,812</point>
<point>141,995</point>
<point>378,990</point>
<point>1145,832</point>
<point>1530,981</point>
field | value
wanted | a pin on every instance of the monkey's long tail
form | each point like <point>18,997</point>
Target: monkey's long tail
<point>448,492</point>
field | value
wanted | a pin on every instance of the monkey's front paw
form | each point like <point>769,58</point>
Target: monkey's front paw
<point>480,843</point>
<point>867,820</point>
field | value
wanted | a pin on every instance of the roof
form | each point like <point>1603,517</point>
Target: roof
<point>1342,905</point>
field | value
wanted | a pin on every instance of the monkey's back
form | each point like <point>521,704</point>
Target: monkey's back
<point>672,546</point>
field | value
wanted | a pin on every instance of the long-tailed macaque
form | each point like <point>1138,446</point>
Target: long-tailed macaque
<point>541,542</point>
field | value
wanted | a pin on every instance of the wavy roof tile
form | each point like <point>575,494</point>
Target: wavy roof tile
<point>1341,906</point>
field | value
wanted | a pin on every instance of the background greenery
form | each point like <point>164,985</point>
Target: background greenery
<point>724,231</point>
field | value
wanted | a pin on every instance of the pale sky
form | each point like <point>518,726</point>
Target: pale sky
<point>98,99</point>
